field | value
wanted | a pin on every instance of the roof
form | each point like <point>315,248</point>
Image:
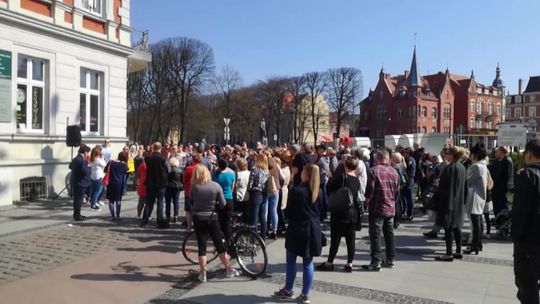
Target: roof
<point>533,85</point>
<point>413,80</point>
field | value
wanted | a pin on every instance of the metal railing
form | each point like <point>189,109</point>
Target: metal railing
<point>139,40</point>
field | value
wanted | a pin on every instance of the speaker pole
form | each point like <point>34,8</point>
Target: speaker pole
<point>69,182</point>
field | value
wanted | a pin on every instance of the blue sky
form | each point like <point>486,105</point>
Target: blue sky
<point>262,38</point>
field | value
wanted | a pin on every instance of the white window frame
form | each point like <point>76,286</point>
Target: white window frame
<point>90,6</point>
<point>532,111</point>
<point>517,113</point>
<point>479,107</point>
<point>499,109</point>
<point>490,107</point>
<point>30,83</point>
<point>509,113</point>
<point>88,92</point>
<point>472,108</point>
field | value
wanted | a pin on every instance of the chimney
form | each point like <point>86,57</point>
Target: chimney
<point>406,74</point>
<point>520,85</point>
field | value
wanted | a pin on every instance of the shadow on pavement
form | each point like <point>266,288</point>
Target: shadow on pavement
<point>217,298</point>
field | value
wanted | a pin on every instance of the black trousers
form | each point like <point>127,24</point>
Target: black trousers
<point>203,228</point>
<point>450,235</point>
<point>527,272</point>
<point>225,220</point>
<point>281,213</point>
<point>338,230</point>
<point>78,198</point>
<point>476,225</point>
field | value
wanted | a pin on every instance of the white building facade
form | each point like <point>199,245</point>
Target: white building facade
<point>61,62</point>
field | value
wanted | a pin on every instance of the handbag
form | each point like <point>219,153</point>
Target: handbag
<point>105,180</point>
<point>270,184</point>
<point>341,199</point>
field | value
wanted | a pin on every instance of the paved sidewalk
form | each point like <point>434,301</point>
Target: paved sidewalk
<point>60,261</point>
<point>417,278</point>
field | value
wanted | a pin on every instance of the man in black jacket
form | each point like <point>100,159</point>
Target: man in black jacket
<point>156,185</point>
<point>526,226</point>
<point>80,180</point>
<point>502,173</point>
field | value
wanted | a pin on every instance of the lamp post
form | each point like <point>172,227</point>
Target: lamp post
<point>263,132</point>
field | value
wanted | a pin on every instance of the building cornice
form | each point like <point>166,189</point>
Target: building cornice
<point>48,27</point>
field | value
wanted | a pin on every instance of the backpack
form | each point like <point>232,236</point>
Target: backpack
<point>341,200</point>
<point>402,178</point>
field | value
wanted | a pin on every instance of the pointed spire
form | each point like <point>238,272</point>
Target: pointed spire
<point>498,83</point>
<point>414,76</point>
<point>472,74</point>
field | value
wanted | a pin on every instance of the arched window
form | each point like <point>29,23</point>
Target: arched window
<point>490,107</point>
<point>447,111</point>
<point>471,122</point>
<point>472,106</point>
<point>433,112</point>
<point>499,108</point>
<point>424,112</point>
<point>479,107</point>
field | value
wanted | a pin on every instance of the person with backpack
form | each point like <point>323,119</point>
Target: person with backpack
<point>526,226</point>
<point>324,165</point>
<point>345,205</point>
<point>397,163</point>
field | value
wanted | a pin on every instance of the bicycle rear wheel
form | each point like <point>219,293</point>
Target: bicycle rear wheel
<point>190,249</point>
<point>251,252</point>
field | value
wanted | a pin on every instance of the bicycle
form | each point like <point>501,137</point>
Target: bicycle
<point>247,247</point>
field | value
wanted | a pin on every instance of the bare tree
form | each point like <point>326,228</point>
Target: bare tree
<point>136,101</point>
<point>296,89</point>
<point>226,83</point>
<point>191,64</point>
<point>272,92</point>
<point>315,84</point>
<point>344,86</point>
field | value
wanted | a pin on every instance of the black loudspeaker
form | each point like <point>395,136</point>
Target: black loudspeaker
<point>73,136</point>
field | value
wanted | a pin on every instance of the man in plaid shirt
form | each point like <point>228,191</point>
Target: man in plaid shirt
<point>382,191</point>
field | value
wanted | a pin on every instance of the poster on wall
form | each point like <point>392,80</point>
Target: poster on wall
<point>5,86</point>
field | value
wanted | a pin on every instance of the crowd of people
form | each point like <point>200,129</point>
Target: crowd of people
<point>290,191</point>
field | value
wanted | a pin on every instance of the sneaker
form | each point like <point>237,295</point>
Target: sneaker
<point>101,204</point>
<point>325,267</point>
<point>303,299</point>
<point>388,264</point>
<point>372,267</point>
<point>95,208</point>
<point>283,294</point>
<point>202,276</point>
<point>232,273</point>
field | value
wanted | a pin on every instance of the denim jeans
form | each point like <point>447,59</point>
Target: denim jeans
<point>409,198</point>
<point>97,188</point>
<point>155,193</point>
<point>381,225</point>
<point>172,195</point>
<point>291,273</point>
<point>258,211</point>
<point>273,199</point>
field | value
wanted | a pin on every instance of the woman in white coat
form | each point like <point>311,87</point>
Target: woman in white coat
<point>477,177</point>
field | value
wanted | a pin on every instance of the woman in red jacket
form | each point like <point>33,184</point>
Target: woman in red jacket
<point>141,188</point>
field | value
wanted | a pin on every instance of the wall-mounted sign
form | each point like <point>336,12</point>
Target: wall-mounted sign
<point>5,86</point>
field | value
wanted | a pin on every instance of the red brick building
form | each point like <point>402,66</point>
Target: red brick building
<point>437,103</point>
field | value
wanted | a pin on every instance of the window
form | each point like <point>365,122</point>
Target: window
<point>93,6</point>
<point>517,112</point>
<point>479,124</point>
<point>90,100</point>
<point>532,111</point>
<point>508,113</point>
<point>472,106</point>
<point>499,107</point>
<point>30,93</point>
<point>532,98</point>
<point>433,130</point>
<point>490,107</point>
<point>424,112</point>
<point>479,107</point>
<point>489,125</point>
<point>433,112</point>
<point>471,122</point>
<point>424,130</point>
<point>447,111</point>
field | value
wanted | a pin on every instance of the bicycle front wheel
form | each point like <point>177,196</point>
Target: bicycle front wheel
<point>251,253</point>
<point>190,249</point>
